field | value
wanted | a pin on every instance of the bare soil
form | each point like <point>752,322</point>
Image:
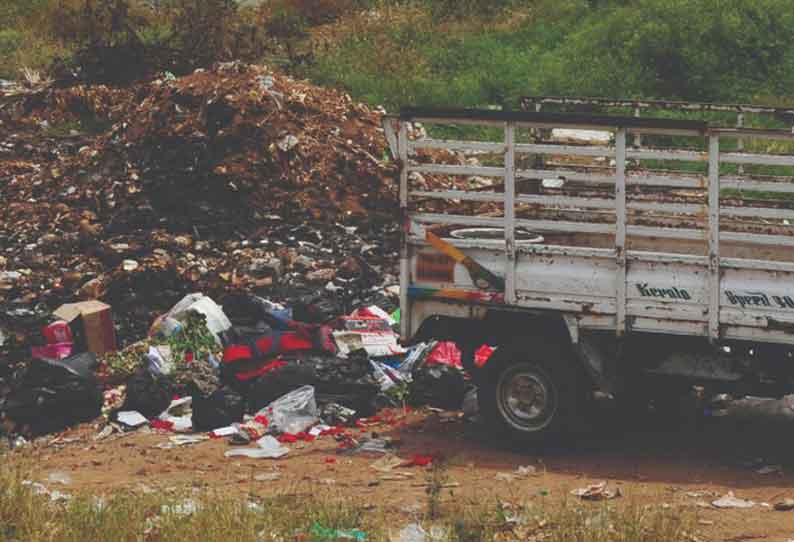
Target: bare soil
<point>652,461</point>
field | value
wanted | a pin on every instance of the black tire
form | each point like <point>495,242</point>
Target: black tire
<point>531,392</point>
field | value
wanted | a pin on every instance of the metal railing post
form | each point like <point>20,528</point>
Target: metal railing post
<point>620,231</point>
<point>740,141</point>
<point>510,212</point>
<point>714,237</point>
<point>405,272</point>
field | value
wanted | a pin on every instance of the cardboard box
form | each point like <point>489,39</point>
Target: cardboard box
<point>92,324</point>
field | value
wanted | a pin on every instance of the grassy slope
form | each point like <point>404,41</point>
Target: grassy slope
<point>716,50</point>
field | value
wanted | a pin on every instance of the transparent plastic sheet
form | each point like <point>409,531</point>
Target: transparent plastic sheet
<point>294,412</point>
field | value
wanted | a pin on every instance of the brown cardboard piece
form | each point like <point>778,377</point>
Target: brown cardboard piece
<point>97,324</point>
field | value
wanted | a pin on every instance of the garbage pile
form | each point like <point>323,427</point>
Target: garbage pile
<point>229,179</point>
<point>276,197</point>
<point>249,370</point>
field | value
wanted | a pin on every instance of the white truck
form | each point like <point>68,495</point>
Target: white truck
<point>655,255</point>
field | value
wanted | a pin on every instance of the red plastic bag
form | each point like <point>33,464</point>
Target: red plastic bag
<point>448,353</point>
<point>418,461</point>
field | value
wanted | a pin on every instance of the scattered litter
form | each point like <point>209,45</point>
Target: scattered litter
<point>287,143</point>
<point>520,472</point>
<point>222,432</point>
<point>375,445</point>
<point>59,477</point>
<point>471,406</point>
<point>161,362</point>
<point>596,492</point>
<point>785,505</point>
<point>179,415</point>
<point>185,508</point>
<point>418,461</point>
<point>182,440</point>
<point>318,430</point>
<point>95,320</point>
<point>41,489</point>
<point>396,477</point>
<point>376,343</point>
<point>293,413</point>
<point>131,418</point>
<point>387,463</point>
<point>527,470</point>
<point>172,321</point>
<point>268,477</point>
<point>414,532</point>
<point>731,501</point>
<point>105,433</point>
<point>324,534</point>
<point>269,448</point>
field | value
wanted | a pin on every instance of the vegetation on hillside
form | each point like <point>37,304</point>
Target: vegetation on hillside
<point>432,52</point>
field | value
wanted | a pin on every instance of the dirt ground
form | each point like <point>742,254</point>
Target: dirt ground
<point>651,461</point>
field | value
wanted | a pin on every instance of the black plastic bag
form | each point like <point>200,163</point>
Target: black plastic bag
<point>223,407</point>
<point>347,382</point>
<point>53,395</point>
<point>437,385</point>
<point>147,394</point>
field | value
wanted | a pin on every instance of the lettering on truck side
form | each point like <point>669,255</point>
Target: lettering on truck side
<point>663,293</point>
<point>758,299</point>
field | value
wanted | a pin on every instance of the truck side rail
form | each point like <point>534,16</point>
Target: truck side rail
<point>609,192</point>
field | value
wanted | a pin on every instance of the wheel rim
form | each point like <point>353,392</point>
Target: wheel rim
<point>526,398</point>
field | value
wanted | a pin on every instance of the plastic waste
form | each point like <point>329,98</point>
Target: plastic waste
<point>170,322</point>
<point>731,501</point>
<point>294,412</point>
<point>471,406</point>
<point>416,357</point>
<point>131,418</point>
<point>52,351</point>
<point>179,414</point>
<point>414,532</point>
<point>336,414</point>
<point>161,363</point>
<point>381,377</point>
<point>268,448</point>
<point>148,394</point>
<point>221,408</point>
<point>57,332</point>
<point>59,477</point>
<point>325,534</point>
<point>184,508</point>
<point>51,396</point>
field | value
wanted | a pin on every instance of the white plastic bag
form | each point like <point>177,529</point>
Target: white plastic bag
<point>180,413</point>
<point>217,322</point>
<point>268,448</point>
<point>294,412</point>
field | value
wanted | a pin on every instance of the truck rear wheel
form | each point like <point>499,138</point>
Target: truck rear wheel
<point>530,393</point>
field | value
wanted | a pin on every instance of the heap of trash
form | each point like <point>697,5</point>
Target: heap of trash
<point>273,196</point>
<point>234,178</point>
<point>249,370</point>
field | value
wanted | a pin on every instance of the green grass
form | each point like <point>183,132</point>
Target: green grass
<point>203,514</point>
<point>670,49</point>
